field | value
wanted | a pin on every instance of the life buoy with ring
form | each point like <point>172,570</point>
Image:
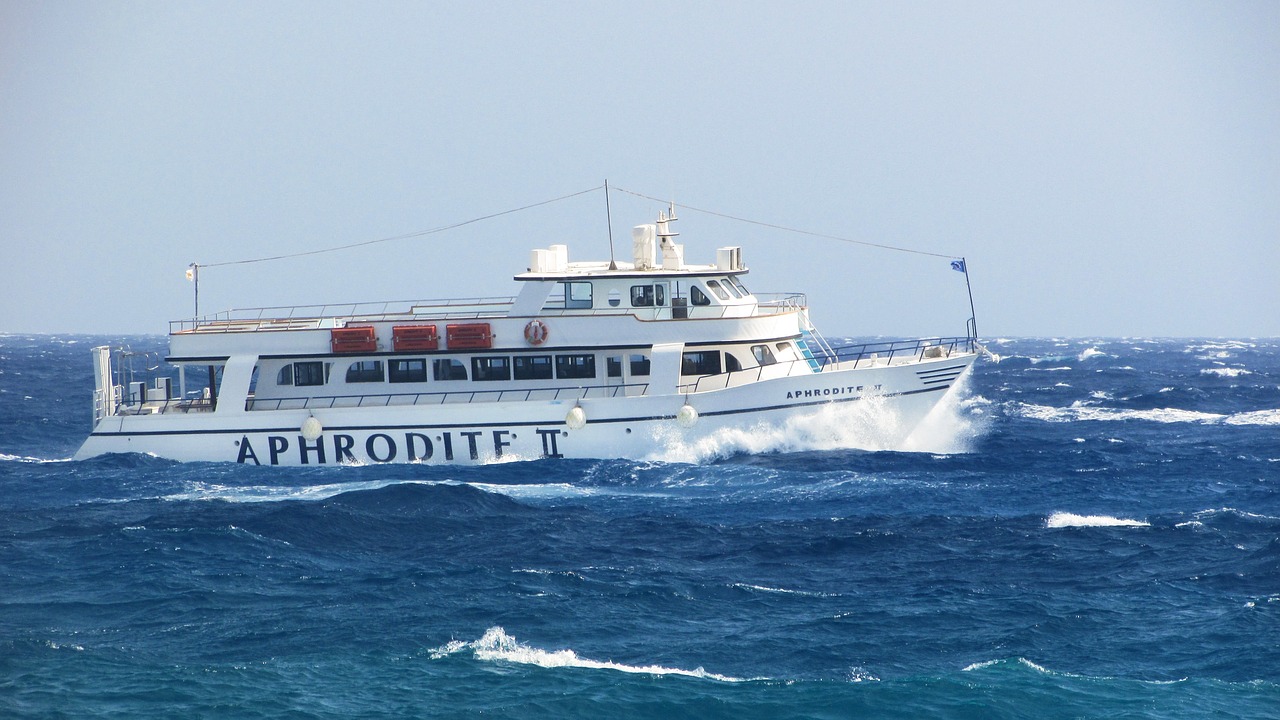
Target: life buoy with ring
<point>536,332</point>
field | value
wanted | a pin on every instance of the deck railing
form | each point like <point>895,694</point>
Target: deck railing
<point>450,397</point>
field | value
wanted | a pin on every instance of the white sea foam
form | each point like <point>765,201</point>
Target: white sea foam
<point>1092,352</point>
<point>781,591</point>
<point>497,646</point>
<point>868,424</point>
<point>269,493</point>
<point>1080,411</point>
<point>1064,519</point>
<point>28,459</point>
<point>1228,372</point>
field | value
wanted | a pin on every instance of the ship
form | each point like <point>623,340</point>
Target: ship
<point>601,359</point>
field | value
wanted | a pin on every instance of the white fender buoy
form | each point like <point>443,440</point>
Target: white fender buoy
<point>576,419</point>
<point>687,416</point>
<point>311,428</point>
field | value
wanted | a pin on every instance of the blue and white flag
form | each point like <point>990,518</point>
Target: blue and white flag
<point>958,265</point>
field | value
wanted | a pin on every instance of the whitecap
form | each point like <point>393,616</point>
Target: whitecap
<point>1092,352</point>
<point>1228,372</point>
<point>497,646</point>
<point>1064,519</point>
<point>781,591</point>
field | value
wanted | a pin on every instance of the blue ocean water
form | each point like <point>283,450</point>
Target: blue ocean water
<point>1091,529</point>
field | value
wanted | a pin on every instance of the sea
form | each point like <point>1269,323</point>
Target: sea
<point>1087,528</point>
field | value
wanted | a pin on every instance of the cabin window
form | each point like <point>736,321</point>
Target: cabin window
<point>719,291</point>
<point>309,373</point>
<point>764,356</point>
<point>615,298</point>
<point>488,368</point>
<point>613,366</point>
<point>405,371</point>
<point>448,369</point>
<point>639,365</point>
<point>285,376</point>
<point>730,287</point>
<point>698,297</point>
<point>533,367</point>
<point>365,371</point>
<point>706,362</point>
<point>731,363</point>
<point>738,284</point>
<point>573,367</point>
<point>577,295</point>
<point>641,296</point>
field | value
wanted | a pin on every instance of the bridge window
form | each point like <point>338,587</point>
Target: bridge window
<point>719,291</point>
<point>764,356</point>
<point>404,371</point>
<point>533,367</point>
<point>738,284</point>
<point>577,295</point>
<point>488,368</point>
<point>728,285</point>
<point>448,369</point>
<point>698,297</point>
<point>573,367</point>
<point>365,371</point>
<point>641,296</point>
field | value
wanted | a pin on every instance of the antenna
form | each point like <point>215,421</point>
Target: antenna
<point>613,265</point>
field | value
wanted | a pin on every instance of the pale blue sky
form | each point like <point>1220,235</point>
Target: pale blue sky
<point>1107,168</point>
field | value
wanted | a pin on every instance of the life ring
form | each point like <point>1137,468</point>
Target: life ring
<point>536,332</point>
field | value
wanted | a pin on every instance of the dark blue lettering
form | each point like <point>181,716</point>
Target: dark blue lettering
<point>448,446</point>
<point>412,448</point>
<point>471,442</point>
<point>391,448</point>
<point>549,448</point>
<point>342,445</point>
<point>276,445</point>
<point>246,452</point>
<point>304,449</point>
<point>499,443</point>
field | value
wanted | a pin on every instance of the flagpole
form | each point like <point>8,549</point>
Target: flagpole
<point>973,316</point>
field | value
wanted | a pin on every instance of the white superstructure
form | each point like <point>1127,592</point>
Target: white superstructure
<point>590,359</point>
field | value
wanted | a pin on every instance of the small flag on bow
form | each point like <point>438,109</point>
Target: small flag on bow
<point>958,266</point>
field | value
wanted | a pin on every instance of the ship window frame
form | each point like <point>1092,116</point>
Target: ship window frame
<point>613,366</point>
<point>641,296</point>
<point>490,368</point>
<point>738,284</point>
<point>700,362</point>
<point>448,369</point>
<point>531,367</point>
<point>357,372</point>
<point>728,285</point>
<point>764,356</point>
<point>640,365</point>
<point>575,366</point>
<point>572,301</point>
<point>714,286</point>
<point>407,370</point>
<point>698,297</point>
<point>731,362</point>
<point>285,376</point>
<point>312,373</point>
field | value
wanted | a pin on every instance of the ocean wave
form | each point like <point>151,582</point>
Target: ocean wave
<point>200,491</point>
<point>28,459</point>
<point>1228,372</point>
<point>781,591</point>
<point>1092,352</point>
<point>1065,519</point>
<point>497,646</point>
<point>1085,410</point>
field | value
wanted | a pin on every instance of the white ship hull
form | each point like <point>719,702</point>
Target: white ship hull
<point>479,432</point>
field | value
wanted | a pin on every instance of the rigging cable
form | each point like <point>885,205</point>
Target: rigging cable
<point>788,229</point>
<point>400,237</point>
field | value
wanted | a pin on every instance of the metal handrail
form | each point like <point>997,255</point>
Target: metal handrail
<point>442,398</point>
<point>876,353</point>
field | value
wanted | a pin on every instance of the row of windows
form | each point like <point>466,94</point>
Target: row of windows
<point>579,294</point>
<point>576,366</point>
<point>483,368</point>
